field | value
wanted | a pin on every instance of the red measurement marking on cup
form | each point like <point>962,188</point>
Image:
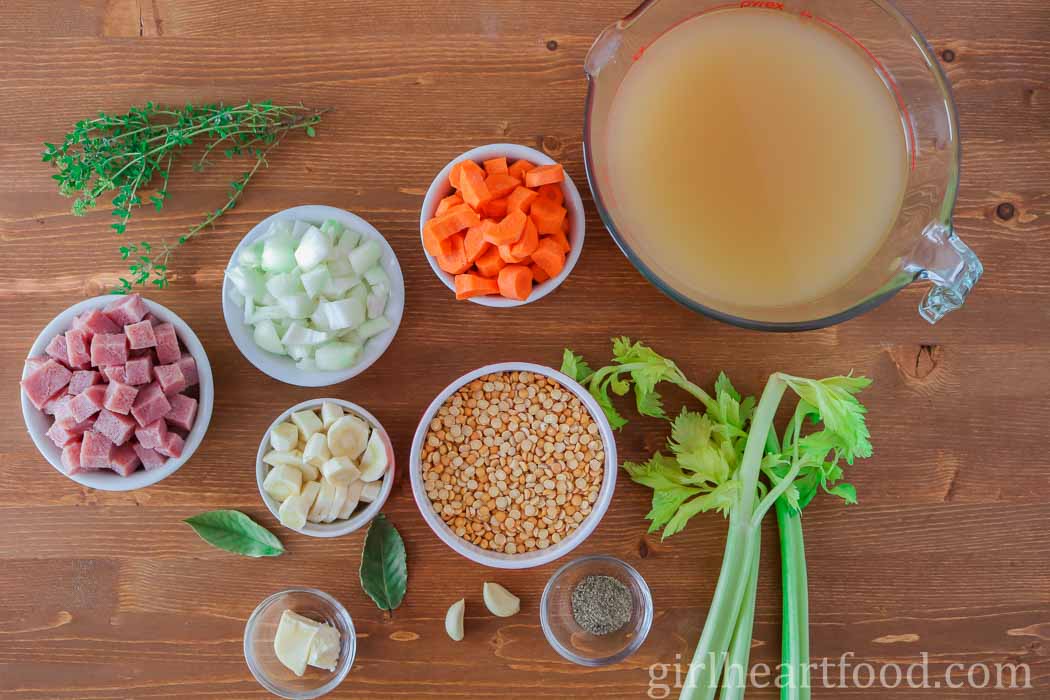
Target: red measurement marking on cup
<point>641,51</point>
<point>762,4</point>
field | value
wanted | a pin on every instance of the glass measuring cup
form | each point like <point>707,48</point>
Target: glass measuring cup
<point>921,245</point>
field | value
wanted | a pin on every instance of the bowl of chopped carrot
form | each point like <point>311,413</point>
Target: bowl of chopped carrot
<point>502,225</point>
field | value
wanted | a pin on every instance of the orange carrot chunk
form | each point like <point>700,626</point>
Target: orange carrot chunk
<point>549,256</point>
<point>509,257</point>
<point>474,244</point>
<point>496,166</point>
<point>545,175</point>
<point>468,286</point>
<point>530,238</point>
<point>433,243</point>
<point>565,226</point>
<point>447,203</point>
<point>509,230</point>
<point>455,262</point>
<point>561,240</point>
<point>472,184</point>
<point>519,169</point>
<point>501,184</point>
<point>547,215</point>
<point>538,274</point>
<point>495,209</point>
<point>453,175</point>
<point>521,199</point>
<point>553,193</point>
<point>515,282</point>
<point>490,263</point>
<point>455,220</point>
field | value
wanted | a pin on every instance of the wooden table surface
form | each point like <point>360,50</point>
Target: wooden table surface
<point>110,595</point>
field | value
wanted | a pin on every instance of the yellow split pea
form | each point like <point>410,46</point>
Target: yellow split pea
<point>513,462</point>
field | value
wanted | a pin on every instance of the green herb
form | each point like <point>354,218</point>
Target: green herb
<point>601,604</point>
<point>717,462</point>
<point>235,532</point>
<point>384,570</point>
<point>127,153</point>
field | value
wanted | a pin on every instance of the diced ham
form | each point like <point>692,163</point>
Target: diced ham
<point>116,374</point>
<point>71,458</point>
<point>167,344</point>
<point>151,459</point>
<point>183,411</point>
<point>96,451</point>
<point>94,322</point>
<point>82,379</point>
<point>120,398</point>
<point>63,432</point>
<point>170,378</point>
<point>172,446</point>
<point>59,407</point>
<point>189,369</point>
<point>152,435</point>
<point>77,349</point>
<point>109,349</point>
<point>151,404</point>
<point>140,335</point>
<point>33,363</point>
<point>45,381</point>
<point>88,402</point>
<point>124,460</point>
<point>56,350</point>
<point>139,370</point>
<point>114,426</point>
<point>127,310</point>
<point>154,321</point>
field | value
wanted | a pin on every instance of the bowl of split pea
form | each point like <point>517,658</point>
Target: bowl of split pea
<point>513,465</point>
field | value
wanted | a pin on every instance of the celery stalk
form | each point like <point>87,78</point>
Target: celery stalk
<point>795,648</point>
<point>736,670</point>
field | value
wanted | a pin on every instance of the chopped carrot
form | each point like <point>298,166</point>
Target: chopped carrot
<point>472,185</point>
<point>474,244</point>
<point>553,193</point>
<point>495,166</point>
<point>545,175</point>
<point>455,263</point>
<point>490,263</point>
<point>565,226</point>
<point>509,257</point>
<point>519,169</point>
<point>561,240</point>
<point>447,203</point>
<point>453,175</point>
<point>549,256</point>
<point>538,274</point>
<point>547,215</point>
<point>509,230</point>
<point>468,286</point>
<point>433,243</point>
<point>515,282</point>
<point>521,200</point>
<point>501,184</point>
<point>455,220</point>
<point>495,209</point>
<point>530,238</point>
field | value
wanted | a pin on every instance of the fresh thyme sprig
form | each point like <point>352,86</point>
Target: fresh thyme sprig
<point>125,153</point>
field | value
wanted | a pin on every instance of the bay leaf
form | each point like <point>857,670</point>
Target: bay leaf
<point>235,532</point>
<point>384,569</point>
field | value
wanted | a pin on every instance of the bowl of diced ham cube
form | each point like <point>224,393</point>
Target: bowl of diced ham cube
<point>117,392</point>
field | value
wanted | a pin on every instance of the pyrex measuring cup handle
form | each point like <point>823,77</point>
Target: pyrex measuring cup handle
<point>944,259</point>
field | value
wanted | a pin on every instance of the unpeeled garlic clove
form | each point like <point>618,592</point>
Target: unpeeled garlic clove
<point>454,620</point>
<point>499,600</point>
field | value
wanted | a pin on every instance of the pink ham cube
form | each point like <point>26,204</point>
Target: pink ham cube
<point>152,435</point>
<point>115,374</point>
<point>151,459</point>
<point>109,349</point>
<point>139,370</point>
<point>56,349</point>
<point>183,411</point>
<point>33,363</point>
<point>114,426</point>
<point>170,378</point>
<point>172,446</point>
<point>153,320</point>
<point>64,432</point>
<point>95,322</point>
<point>120,398</point>
<point>127,310</point>
<point>151,404</point>
<point>45,381</point>
<point>71,458</point>
<point>77,349</point>
<point>88,402</point>
<point>124,460</point>
<point>95,451</point>
<point>59,406</point>
<point>189,369</point>
<point>167,344</point>
<point>82,379</point>
<point>140,335</point>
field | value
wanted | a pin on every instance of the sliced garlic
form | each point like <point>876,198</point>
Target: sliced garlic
<point>454,620</point>
<point>330,413</point>
<point>500,601</point>
<point>284,437</point>
<point>348,437</point>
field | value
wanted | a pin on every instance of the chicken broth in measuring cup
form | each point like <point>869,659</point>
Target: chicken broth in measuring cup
<point>757,158</point>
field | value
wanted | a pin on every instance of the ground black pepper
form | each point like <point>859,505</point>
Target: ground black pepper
<point>601,604</point>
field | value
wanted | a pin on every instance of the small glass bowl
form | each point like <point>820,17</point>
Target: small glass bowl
<point>569,639</point>
<point>261,629</point>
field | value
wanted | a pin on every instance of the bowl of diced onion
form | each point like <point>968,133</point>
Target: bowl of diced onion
<point>313,295</point>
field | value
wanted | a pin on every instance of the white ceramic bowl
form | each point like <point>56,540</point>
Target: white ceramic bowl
<point>527,560</point>
<point>281,367</point>
<point>363,516</point>
<point>38,422</point>
<point>441,188</point>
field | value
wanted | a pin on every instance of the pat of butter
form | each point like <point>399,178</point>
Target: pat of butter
<point>301,641</point>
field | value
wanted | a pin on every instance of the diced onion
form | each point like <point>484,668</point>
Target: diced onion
<point>266,337</point>
<point>278,255</point>
<point>365,256</point>
<point>336,356</point>
<point>313,249</point>
<point>315,281</point>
